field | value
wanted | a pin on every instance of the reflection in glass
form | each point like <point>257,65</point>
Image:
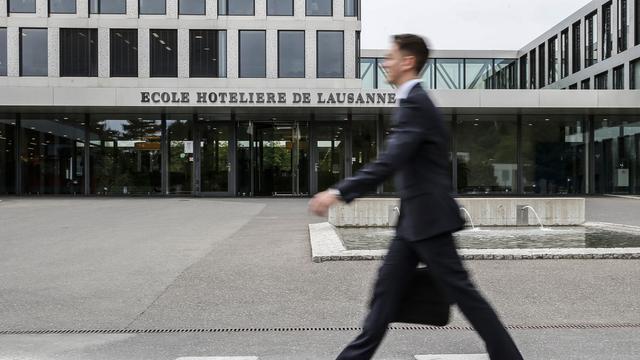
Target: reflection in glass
<point>22,6</point>
<point>618,78</point>
<point>215,165</point>
<point>125,154</point>
<point>383,81</point>
<point>368,73</point>
<point>623,25</point>
<point>108,6</point>
<point>486,152</point>
<point>253,56</point>
<point>164,53</point>
<point>192,7</point>
<point>291,54</point>
<point>478,73</point>
<point>591,44</point>
<point>205,53</point>
<point>617,155</point>
<point>62,6</point>
<point>330,54</point>
<point>607,36</point>
<point>236,7</point>
<point>553,155</point>
<point>364,140</point>
<point>602,81</point>
<point>181,157</point>
<point>124,52</point>
<point>3,51</point>
<point>576,46</point>
<point>506,74</point>
<point>428,79</point>
<point>52,154</point>
<point>280,7</point>
<point>79,52</point>
<point>7,155</point>
<point>449,73</point>
<point>388,187</point>
<point>153,7</point>
<point>351,7</point>
<point>319,7</point>
<point>553,64</point>
<point>330,148</point>
<point>33,52</point>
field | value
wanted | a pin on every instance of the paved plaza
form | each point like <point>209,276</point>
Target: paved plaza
<point>93,278</point>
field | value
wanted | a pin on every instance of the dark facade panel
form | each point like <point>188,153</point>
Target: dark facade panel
<point>204,48</point>
<point>124,52</point>
<point>79,52</point>
<point>164,53</point>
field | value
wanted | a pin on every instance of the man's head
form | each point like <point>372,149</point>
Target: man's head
<point>406,58</point>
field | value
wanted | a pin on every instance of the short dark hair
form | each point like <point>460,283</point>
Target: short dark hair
<point>415,46</point>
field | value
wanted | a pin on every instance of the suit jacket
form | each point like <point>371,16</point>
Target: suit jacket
<point>417,153</point>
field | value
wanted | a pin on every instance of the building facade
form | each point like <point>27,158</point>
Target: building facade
<point>276,98</point>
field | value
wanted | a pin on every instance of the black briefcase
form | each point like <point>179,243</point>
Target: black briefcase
<point>425,303</point>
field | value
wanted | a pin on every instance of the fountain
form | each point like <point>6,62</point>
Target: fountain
<point>536,214</point>
<point>470,219</point>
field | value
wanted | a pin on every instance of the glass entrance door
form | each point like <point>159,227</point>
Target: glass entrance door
<point>329,154</point>
<point>215,160</point>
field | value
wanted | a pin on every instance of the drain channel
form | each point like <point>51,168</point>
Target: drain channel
<point>307,329</point>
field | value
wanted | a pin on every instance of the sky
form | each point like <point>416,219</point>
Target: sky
<point>463,24</point>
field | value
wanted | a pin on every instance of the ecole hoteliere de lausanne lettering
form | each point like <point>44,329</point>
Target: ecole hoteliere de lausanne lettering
<point>201,97</point>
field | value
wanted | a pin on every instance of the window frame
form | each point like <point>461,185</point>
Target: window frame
<point>89,60</point>
<point>304,57</point>
<point>306,10</point>
<point>293,10</point>
<point>111,52</point>
<point>204,9</point>
<point>317,54</point>
<point>75,8</point>
<point>140,13</point>
<point>240,54</point>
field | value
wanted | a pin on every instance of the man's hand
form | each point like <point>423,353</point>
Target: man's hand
<point>322,201</point>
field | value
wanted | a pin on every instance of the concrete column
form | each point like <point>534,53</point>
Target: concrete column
<point>349,54</point>
<point>614,28</point>
<point>631,8</point>
<point>338,9</point>
<point>132,9</point>
<point>627,75</point>
<point>143,53</point>
<point>42,8</point>
<point>272,54</point>
<point>211,7</point>
<point>299,9</point>
<point>310,54</point>
<point>3,8</point>
<point>172,9</point>
<point>260,9</point>
<point>232,54</point>
<point>13,51</point>
<point>53,42</point>
<point>183,53</point>
<point>82,9</point>
<point>104,52</point>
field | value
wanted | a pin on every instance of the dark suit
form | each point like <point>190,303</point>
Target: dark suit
<point>418,155</point>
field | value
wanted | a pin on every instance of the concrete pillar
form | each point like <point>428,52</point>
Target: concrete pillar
<point>232,54</point>
<point>82,9</point>
<point>299,9</point>
<point>42,8</point>
<point>143,53</point>
<point>338,9</point>
<point>183,53</point>
<point>633,22</point>
<point>172,9</point>
<point>627,75</point>
<point>349,54</point>
<point>13,51</point>
<point>272,54</point>
<point>132,9</point>
<point>53,44</point>
<point>104,52</point>
<point>3,8</point>
<point>211,7</point>
<point>260,9</point>
<point>310,54</point>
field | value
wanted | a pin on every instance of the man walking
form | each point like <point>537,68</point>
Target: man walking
<point>418,155</point>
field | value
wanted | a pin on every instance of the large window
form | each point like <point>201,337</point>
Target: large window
<point>487,154</point>
<point>164,53</point>
<point>291,54</point>
<point>62,6</point>
<point>591,43</point>
<point>575,47</point>
<point>368,73</point>
<point>478,73</point>
<point>618,78</point>
<point>253,56</point>
<point>524,69</point>
<point>553,155</point>
<point>541,66</point>
<point>33,52</point>
<point>617,154</point>
<point>52,154</point>
<point>635,74</point>
<point>108,6</point>
<point>280,7</point>
<point>564,54</point>
<point>236,7</point>
<point>124,52</point>
<point>7,154</point>
<point>3,51</point>
<point>623,25</point>
<point>351,7</point>
<point>364,141</point>
<point>181,153</point>
<point>153,7</point>
<point>553,60</point>
<point>449,73</point>
<point>22,6</point>
<point>330,54</point>
<point>607,42</point>
<point>602,81</point>
<point>319,7</point>
<point>192,7</point>
<point>207,49</point>
<point>79,52</point>
<point>125,154</point>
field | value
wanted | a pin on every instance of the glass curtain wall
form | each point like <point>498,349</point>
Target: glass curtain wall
<point>564,54</point>
<point>52,154</point>
<point>486,154</point>
<point>125,154</point>
<point>478,73</point>
<point>506,74</point>
<point>181,157</point>
<point>617,154</point>
<point>7,154</point>
<point>449,73</point>
<point>553,155</point>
